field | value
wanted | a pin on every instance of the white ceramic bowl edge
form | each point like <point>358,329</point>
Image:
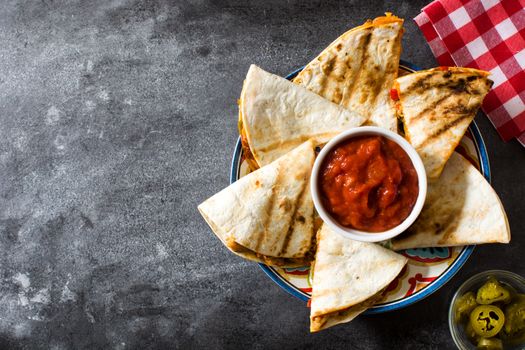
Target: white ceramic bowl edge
<point>362,235</point>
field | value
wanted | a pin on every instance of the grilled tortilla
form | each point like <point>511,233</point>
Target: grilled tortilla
<point>267,215</point>
<point>436,107</point>
<point>461,208</point>
<point>348,278</point>
<point>276,116</point>
<point>358,69</point>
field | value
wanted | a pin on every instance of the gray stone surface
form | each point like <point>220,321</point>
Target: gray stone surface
<point>116,119</point>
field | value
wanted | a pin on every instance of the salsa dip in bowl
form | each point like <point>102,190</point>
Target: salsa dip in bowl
<point>368,184</point>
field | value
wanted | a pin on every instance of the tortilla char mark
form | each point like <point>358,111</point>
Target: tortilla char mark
<point>372,74</point>
<point>421,84</point>
<point>296,217</point>
<point>447,126</point>
<point>334,71</point>
<point>454,79</point>
<point>430,108</point>
<point>363,47</point>
<point>458,113</point>
<point>348,72</point>
<point>436,107</point>
<point>271,206</point>
<point>327,69</point>
<point>288,202</point>
<point>452,97</point>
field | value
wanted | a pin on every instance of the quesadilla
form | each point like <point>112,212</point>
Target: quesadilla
<point>348,278</point>
<point>267,215</point>
<point>358,69</point>
<point>461,208</point>
<point>436,107</point>
<point>275,116</point>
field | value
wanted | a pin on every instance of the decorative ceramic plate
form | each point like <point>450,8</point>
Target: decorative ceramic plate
<point>428,268</point>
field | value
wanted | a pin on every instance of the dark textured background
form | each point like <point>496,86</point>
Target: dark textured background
<point>116,119</point>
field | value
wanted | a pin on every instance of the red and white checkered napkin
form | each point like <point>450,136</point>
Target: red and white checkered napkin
<point>488,35</point>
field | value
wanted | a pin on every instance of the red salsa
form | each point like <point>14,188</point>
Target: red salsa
<point>368,183</point>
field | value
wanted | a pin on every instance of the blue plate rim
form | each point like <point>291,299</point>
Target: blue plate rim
<point>422,293</point>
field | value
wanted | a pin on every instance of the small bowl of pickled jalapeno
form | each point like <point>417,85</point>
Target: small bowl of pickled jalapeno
<point>488,312</point>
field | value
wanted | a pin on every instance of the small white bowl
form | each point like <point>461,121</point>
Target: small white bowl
<point>363,235</point>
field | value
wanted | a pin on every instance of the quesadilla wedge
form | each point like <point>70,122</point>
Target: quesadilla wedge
<point>358,69</point>
<point>461,208</point>
<point>267,215</point>
<point>275,116</point>
<point>348,278</point>
<point>436,107</point>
